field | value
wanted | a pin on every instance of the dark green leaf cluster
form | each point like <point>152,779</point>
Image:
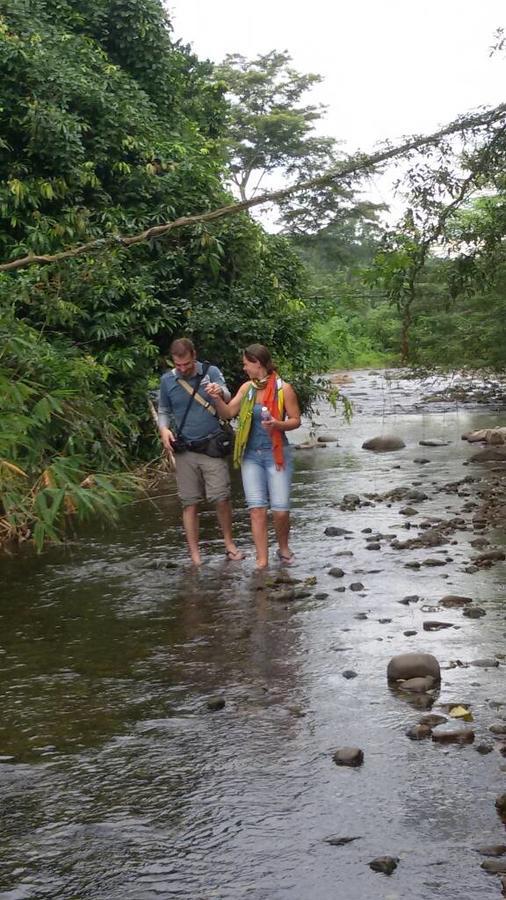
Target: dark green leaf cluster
<point>109,126</point>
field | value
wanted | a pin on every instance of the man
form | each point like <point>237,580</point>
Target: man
<point>198,476</point>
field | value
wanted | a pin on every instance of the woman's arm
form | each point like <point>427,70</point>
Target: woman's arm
<point>227,410</point>
<point>292,412</point>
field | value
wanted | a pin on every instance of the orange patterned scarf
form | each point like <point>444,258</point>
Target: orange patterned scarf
<point>274,404</point>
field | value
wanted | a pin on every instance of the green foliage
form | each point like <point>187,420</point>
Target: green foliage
<point>355,323</point>
<point>109,126</point>
<point>56,423</point>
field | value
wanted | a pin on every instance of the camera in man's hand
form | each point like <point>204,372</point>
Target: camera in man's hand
<point>178,444</point>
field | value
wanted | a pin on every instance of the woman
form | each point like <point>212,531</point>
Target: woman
<point>268,408</point>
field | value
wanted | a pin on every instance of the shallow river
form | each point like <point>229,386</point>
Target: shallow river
<point>118,783</point>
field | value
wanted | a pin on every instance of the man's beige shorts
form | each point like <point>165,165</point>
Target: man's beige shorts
<point>201,477</point>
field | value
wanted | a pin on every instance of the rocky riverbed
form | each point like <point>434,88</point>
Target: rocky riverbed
<point>168,733</point>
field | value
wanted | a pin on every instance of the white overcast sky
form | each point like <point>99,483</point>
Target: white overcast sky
<point>390,67</point>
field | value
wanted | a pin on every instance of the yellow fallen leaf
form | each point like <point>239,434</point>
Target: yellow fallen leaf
<point>460,712</point>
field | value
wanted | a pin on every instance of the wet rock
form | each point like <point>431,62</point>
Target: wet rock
<point>490,454</point>
<point>384,864</point>
<point>384,444</point>
<point>334,531</point>
<point>433,625</point>
<point>384,621</point>
<point>410,632</point>
<point>215,703</point>
<point>418,685</point>
<point>321,595</point>
<point>328,439</point>
<point>453,601</point>
<point>489,556</point>
<point>479,543</point>
<point>474,612</point>
<point>432,719</point>
<point>408,511</point>
<point>453,733</point>
<point>434,561</point>
<point>487,663</point>
<point>421,461</point>
<point>336,572</point>
<point>350,501</point>
<point>356,586</point>
<point>310,445</point>
<point>419,732</point>
<point>349,673</point>
<point>483,749</point>
<point>494,866</point>
<point>340,590</point>
<point>296,711</point>
<point>488,435</point>
<point>361,616</point>
<point>500,805</point>
<point>349,756</point>
<point>302,594</point>
<point>434,442</point>
<point>413,665</point>
<point>337,841</point>
<point>417,496</point>
<point>495,850</point>
<point>414,564</point>
<point>410,598</point>
<point>417,701</point>
<point>282,595</point>
<point>344,553</point>
<point>373,545</point>
<point>498,728</point>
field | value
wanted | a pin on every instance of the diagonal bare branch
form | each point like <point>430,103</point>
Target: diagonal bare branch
<point>360,163</point>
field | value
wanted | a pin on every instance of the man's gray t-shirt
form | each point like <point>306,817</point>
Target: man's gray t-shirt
<point>174,399</point>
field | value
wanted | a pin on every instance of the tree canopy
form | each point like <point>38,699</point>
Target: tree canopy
<point>109,127</point>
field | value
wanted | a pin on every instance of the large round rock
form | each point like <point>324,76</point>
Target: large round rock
<point>413,665</point>
<point>384,443</point>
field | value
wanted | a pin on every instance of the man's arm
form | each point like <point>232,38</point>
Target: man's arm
<point>165,417</point>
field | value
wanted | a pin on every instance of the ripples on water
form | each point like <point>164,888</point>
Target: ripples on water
<point>117,782</point>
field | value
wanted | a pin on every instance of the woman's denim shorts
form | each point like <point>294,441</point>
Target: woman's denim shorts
<point>264,485</point>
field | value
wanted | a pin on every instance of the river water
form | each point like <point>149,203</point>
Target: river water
<point>118,783</point>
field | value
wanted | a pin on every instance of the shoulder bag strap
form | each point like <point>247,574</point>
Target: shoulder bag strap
<point>193,392</point>
<point>205,403</point>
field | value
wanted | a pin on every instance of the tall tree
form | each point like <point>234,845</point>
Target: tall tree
<point>272,130</point>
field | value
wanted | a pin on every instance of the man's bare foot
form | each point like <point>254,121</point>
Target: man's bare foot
<point>196,559</point>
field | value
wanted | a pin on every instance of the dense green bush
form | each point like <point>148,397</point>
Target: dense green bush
<point>109,126</point>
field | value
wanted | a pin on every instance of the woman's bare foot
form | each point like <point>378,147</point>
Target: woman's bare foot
<point>234,554</point>
<point>286,557</point>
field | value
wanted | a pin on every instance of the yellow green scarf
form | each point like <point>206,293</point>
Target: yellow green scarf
<point>246,415</point>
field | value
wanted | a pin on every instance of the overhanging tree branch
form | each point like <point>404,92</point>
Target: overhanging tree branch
<point>361,163</point>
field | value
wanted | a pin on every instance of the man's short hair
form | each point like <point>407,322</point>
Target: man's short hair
<point>182,346</point>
